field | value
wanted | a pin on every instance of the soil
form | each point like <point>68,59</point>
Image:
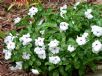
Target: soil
<point>6,24</point>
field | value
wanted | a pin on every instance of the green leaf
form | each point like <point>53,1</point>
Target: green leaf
<point>55,73</point>
<point>71,41</point>
<point>77,64</point>
<point>30,62</point>
<point>23,22</point>
<point>25,65</point>
<point>48,25</point>
<point>62,71</point>
<point>38,63</point>
<point>81,73</point>
<point>68,67</point>
<point>51,67</point>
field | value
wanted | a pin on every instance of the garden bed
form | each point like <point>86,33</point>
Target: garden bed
<point>6,24</point>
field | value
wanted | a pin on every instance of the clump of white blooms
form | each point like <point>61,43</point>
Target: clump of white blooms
<point>88,14</point>
<point>17,20</point>
<point>54,59</point>
<point>63,26</point>
<point>97,30</point>
<point>96,46</point>
<point>40,51</point>
<point>76,4</point>
<point>81,40</point>
<point>26,55</point>
<point>18,66</point>
<point>25,39</point>
<point>63,10</point>
<point>70,48</point>
<point>10,45</point>
<point>39,41</point>
<point>52,51</point>
<point>35,71</point>
<point>32,11</point>
<point>7,54</point>
<point>53,46</point>
<point>9,42</point>
<point>40,48</point>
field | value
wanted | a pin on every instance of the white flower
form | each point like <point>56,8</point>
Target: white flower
<point>64,26</point>
<point>37,50</point>
<point>17,20</point>
<point>97,31</point>
<point>8,38</point>
<point>85,35</point>
<point>25,39</point>
<point>88,14</point>
<point>4,50</point>
<point>7,55</point>
<point>12,68</point>
<point>54,50</point>
<point>40,51</point>
<point>26,55</point>
<point>71,48</point>
<point>54,59</point>
<point>19,65</point>
<point>35,71</point>
<point>39,41</point>
<point>53,43</point>
<point>76,4</point>
<point>89,11</point>
<point>63,10</point>
<point>81,40</point>
<point>11,46</point>
<point>42,55</point>
<point>96,46</point>
<point>32,11</point>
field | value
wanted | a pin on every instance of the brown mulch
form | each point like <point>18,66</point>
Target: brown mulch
<point>6,24</point>
<point>5,71</point>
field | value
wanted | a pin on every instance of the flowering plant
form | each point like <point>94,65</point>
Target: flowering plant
<point>56,42</point>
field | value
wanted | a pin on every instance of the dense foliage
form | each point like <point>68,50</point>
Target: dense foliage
<point>57,42</point>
